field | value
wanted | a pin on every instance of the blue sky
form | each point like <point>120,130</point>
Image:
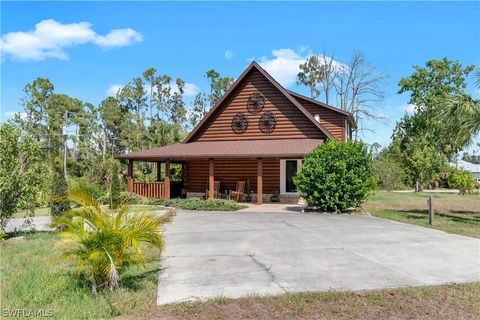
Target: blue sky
<point>119,40</point>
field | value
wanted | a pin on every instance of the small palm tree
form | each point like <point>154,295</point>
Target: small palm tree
<point>101,244</point>
<point>462,115</point>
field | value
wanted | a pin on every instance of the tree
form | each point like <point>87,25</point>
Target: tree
<point>149,76</point>
<point>59,204</point>
<point>424,162</point>
<point>461,115</point>
<point>430,87</point>
<point>357,84</point>
<point>309,75</point>
<point>115,187</point>
<point>177,110</point>
<point>462,180</point>
<point>199,109</point>
<point>319,70</point>
<point>22,171</point>
<point>102,245</point>
<point>389,174</point>
<point>336,176</point>
<point>218,85</point>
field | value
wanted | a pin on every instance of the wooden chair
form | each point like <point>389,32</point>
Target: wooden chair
<point>239,192</point>
<point>216,190</point>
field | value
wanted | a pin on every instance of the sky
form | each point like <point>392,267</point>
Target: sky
<point>88,50</point>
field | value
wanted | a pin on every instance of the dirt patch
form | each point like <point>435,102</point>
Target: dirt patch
<point>438,302</point>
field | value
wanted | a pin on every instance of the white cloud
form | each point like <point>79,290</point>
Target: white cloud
<point>189,90</point>
<point>50,38</point>
<point>12,114</point>
<point>119,38</point>
<point>284,65</point>
<point>229,54</point>
<point>113,89</point>
<point>408,108</point>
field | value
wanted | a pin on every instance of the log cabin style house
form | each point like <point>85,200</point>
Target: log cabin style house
<point>257,132</point>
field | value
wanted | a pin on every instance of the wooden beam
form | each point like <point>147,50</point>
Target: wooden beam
<point>159,170</point>
<point>130,176</point>
<point>259,181</point>
<point>167,179</point>
<point>211,179</point>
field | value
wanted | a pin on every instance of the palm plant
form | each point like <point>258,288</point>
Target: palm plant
<point>462,115</point>
<point>102,244</point>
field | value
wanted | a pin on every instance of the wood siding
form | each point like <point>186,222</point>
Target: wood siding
<point>332,121</point>
<point>291,122</point>
<point>229,171</point>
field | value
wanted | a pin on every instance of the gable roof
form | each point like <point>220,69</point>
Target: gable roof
<point>255,65</point>
<point>327,106</point>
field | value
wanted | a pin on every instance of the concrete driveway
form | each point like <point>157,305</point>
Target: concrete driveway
<point>236,254</point>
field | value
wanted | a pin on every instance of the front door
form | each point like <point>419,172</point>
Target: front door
<point>288,170</point>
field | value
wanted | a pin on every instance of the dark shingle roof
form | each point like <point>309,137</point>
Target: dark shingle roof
<point>291,148</point>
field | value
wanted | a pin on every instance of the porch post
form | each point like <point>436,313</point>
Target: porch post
<point>167,179</point>
<point>259,181</point>
<point>159,170</point>
<point>130,176</point>
<point>211,180</point>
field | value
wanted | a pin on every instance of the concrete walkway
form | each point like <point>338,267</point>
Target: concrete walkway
<point>235,254</point>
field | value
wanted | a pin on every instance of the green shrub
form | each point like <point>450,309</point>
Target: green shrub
<point>389,175</point>
<point>199,204</point>
<point>462,180</point>
<point>130,198</point>
<point>115,187</point>
<point>59,203</point>
<point>336,176</point>
<point>90,188</point>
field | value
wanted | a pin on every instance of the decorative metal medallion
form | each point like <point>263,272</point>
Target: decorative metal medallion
<point>239,123</point>
<point>256,101</point>
<point>267,122</point>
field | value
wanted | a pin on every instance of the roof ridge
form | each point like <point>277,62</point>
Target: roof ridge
<point>284,91</point>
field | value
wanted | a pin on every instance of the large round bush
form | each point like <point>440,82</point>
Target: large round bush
<point>336,176</point>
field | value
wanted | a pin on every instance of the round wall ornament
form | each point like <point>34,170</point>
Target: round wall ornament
<point>239,123</point>
<point>255,103</point>
<point>268,122</point>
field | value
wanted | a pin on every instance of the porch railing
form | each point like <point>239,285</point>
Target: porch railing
<point>150,189</point>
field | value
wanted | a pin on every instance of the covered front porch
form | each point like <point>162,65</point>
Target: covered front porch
<point>210,169</point>
<point>198,178</point>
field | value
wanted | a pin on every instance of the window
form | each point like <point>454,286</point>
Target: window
<point>288,170</point>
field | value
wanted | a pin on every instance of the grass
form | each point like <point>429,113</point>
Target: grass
<point>32,279</point>
<point>455,301</point>
<point>454,213</point>
<point>44,211</point>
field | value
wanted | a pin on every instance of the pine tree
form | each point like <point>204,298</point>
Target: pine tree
<point>115,187</point>
<point>59,204</point>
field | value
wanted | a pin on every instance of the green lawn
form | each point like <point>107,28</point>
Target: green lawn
<point>454,213</point>
<point>32,278</point>
<point>38,212</point>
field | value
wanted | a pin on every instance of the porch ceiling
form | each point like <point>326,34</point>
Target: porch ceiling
<point>288,148</point>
